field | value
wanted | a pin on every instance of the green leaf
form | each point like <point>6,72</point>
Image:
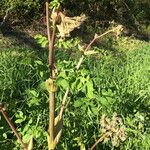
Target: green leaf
<point>130,122</point>
<point>39,62</point>
<point>5,135</point>
<point>34,101</point>
<point>42,85</point>
<point>19,120</point>
<point>37,36</point>
<point>62,75</point>
<point>37,134</point>
<point>65,45</point>
<point>27,136</point>
<point>90,89</point>
<point>104,101</point>
<point>74,84</point>
<point>26,128</point>
<point>34,93</point>
<point>79,85</point>
<point>78,103</point>
<point>41,73</point>
<point>40,41</point>
<point>63,83</point>
<point>95,111</point>
<point>19,114</point>
<point>44,43</point>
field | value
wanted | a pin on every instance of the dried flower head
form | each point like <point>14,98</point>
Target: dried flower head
<point>68,24</point>
<point>54,15</point>
<point>113,128</point>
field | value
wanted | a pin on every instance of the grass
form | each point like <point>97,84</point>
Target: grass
<point>121,81</point>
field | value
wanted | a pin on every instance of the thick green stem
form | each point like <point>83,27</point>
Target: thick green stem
<point>52,94</point>
<point>51,117</point>
<point>51,120</point>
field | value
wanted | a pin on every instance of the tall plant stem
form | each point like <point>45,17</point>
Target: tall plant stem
<point>52,94</point>
<point>23,145</point>
<point>51,40</point>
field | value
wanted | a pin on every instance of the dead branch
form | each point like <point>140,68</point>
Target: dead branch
<point>116,30</point>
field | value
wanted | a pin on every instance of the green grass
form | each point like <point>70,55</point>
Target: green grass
<point>118,78</point>
<point>127,75</point>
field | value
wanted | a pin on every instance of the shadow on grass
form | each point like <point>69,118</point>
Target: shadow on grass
<point>19,38</point>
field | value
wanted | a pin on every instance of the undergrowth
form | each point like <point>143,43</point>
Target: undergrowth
<point>115,80</point>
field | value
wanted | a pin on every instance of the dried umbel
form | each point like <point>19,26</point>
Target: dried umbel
<point>68,24</point>
<point>113,128</point>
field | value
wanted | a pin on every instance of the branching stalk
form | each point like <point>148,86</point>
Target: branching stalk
<point>89,45</point>
<point>52,94</point>
<point>97,37</point>
<point>55,124</point>
<point>51,40</point>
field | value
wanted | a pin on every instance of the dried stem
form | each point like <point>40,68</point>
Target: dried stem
<point>52,94</point>
<point>100,140</point>
<point>80,62</point>
<point>63,103</point>
<point>51,40</point>
<point>97,37</point>
<point>89,45</point>
<point>23,145</point>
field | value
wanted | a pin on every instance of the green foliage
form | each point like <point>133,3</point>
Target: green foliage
<point>21,84</point>
<point>112,81</point>
<point>42,40</point>
<point>55,3</point>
